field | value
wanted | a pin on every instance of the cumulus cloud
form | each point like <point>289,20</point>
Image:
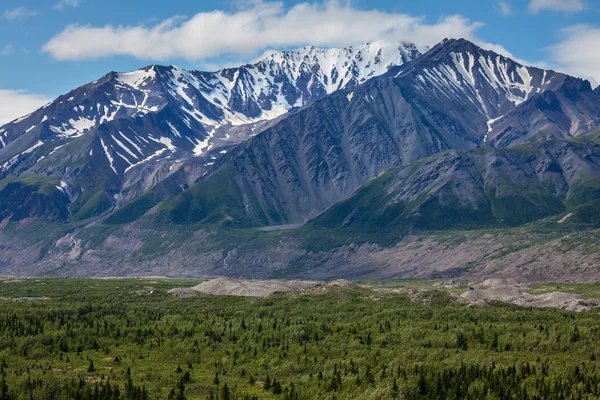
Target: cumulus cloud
<point>575,53</point>
<point>66,3</point>
<point>16,103</point>
<point>258,26</point>
<point>556,5</point>
<point>18,13</point>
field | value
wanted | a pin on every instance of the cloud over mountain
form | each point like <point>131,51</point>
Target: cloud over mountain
<point>576,52</point>
<point>251,30</point>
<point>16,103</point>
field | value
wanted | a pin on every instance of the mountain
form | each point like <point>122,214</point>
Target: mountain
<point>489,187</point>
<point>516,103</point>
<point>458,138</point>
<point>446,99</point>
<point>111,140</point>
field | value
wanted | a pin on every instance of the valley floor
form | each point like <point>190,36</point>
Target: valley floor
<point>128,339</point>
<point>539,252</point>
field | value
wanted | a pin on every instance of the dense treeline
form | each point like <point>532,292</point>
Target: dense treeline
<point>114,340</point>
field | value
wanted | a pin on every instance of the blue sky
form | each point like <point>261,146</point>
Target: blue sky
<point>48,47</point>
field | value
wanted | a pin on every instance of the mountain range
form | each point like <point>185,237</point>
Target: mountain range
<point>380,137</point>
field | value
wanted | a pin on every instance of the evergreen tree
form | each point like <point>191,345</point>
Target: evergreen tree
<point>224,392</point>
<point>91,367</point>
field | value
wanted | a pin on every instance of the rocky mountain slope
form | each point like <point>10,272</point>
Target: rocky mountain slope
<point>480,188</point>
<point>451,215</point>
<point>447,99</point>
<point>111,140</point>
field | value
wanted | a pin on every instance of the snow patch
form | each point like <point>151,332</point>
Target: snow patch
<point>156,154</point>
<point>117,141</point>
<point>136,79</point>
<point>56,148</point>
<point>490,128</point>
<point>164,141</point>
<point>108,156</point>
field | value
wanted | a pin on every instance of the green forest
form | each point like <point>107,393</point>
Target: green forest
<point>127,339</point>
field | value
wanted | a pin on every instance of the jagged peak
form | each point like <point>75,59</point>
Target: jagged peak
<point>457,46</point>
<point>372,47</point>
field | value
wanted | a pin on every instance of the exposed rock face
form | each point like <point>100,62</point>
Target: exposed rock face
<point>298,137</point>
<point>571,108</point>
<point>43,199</point>
<point>115,138</point>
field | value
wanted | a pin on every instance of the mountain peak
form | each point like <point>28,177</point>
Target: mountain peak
<point>488,84</point>
<point>453,46</point>
<point>345,54</point>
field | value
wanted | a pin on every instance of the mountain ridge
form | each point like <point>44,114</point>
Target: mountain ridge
<point>295,169</point>
<point>157,120</point>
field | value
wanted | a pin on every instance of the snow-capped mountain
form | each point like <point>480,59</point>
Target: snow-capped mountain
<point>234,96</point>
<point>491,91</point>
<point>447,99</point>
<point>234,148</point>
<point>134,129</point>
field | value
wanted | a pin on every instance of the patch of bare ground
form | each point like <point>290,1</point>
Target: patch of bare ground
<point>532,258</point>
<point>183,292</point>
<point>509,291</point>
<point>239,287</point>
<point>258,288</point>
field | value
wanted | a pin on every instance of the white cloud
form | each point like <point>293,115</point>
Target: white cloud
<point>18,13</point>
<point>249,31</point>
<point>503,8</point>
<point>66,3</point>
<point>7,50</point>
<point>556,5</point>
<point>576,53</point>
<point>16,103</point>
